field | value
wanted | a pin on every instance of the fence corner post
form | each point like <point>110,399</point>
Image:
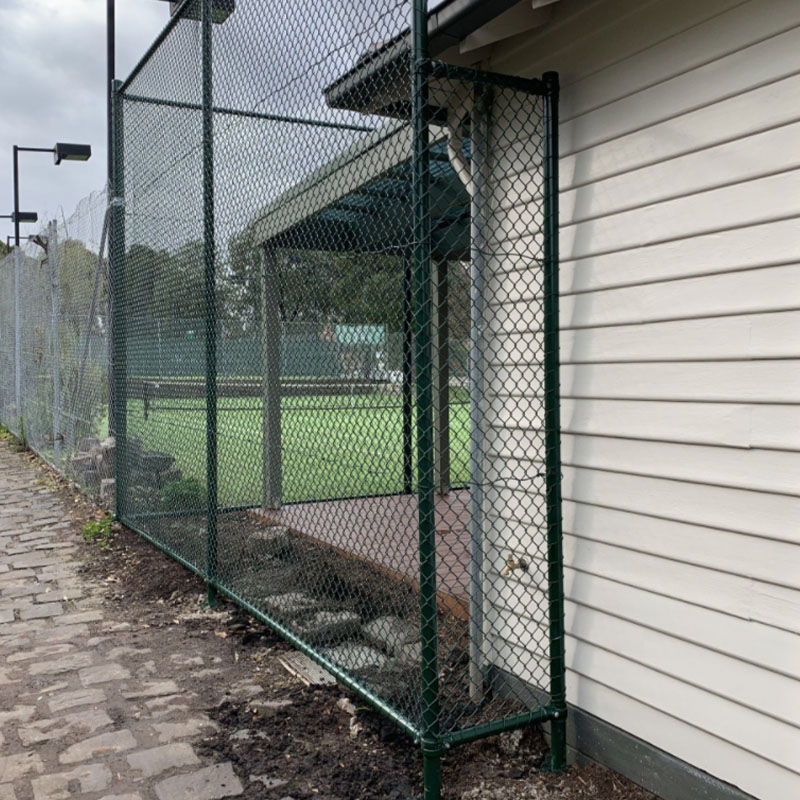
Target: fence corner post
<point>209,262</point>
<point>555,554</point>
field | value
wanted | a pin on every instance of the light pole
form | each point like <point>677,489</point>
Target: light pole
<point>63,151</point>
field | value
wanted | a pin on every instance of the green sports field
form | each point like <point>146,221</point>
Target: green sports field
<point>331,446</point>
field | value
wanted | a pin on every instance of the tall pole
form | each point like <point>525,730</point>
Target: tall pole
<point>110,71</point>
<point>429,733</point>
<point>16,196</point>
<point>209,257</point>
<point>55,299</point>
<point>555,555</point>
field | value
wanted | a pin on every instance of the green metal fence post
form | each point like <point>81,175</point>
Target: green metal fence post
<point>555,557</point>
<point>209,259</point>
<point>430,739</point>
<point>119,328</point>
<point>408,376</point>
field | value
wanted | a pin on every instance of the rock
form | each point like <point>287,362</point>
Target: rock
<point>172,475</point>
<point>87,443</point>
<point>155,461</point>
<point>80,462</point>
<point>287,606</point>
<point>107,488</point>
<point>328,626</point>
<point>391,634</point>
<point>272,541</point>
<point>354,657</point>
<point>89,478</point>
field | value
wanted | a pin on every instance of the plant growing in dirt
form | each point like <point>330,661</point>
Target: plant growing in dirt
<point>187,494</point>
<point>98,531</point>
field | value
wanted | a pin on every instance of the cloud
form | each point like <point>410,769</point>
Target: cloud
<point>53,88</point>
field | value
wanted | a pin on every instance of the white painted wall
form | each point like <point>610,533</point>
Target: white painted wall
<point>680,245</point>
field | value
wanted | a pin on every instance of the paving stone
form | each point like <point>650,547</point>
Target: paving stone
<point>289,605</point>
<point>66,663</point>
<point>113,742</point>
<point>86,778</point>
<point>390,633</point>
<point>169,731</point>
<point>328,626</point>
<point>119,797</point>
<point>7,792</point>
<point>60,594</point>
<point>62,634</point>
<point>79,697</point>
<point>41,611</point>
<point>6,615</point>
<point>159,759</point>
<point>81,616</point>
<point>35,560</point>
<point>103,673</point>
<point>211,783</point>
<point>353,657</point>
<point>153,689</point>
<point>17,714</point>
<point>19,764</point>
<point>45,730</point>
<point>40,652</point>
<point>23,590</point>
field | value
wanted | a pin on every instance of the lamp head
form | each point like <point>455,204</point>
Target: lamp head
<point>25,216</point>
<point>64,151</point>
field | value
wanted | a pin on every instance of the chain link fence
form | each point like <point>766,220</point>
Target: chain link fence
<point>336,356</point>
<point>54,346</point>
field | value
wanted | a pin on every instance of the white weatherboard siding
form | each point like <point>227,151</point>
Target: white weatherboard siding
<point>680,247</point>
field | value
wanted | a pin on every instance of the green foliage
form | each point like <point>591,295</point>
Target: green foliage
<point>186,494</point>
<point>98,531</point>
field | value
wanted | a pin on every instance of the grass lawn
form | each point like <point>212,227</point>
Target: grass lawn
<point>329,448</point>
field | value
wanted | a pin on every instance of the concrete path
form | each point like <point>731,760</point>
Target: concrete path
<point>77,718</point>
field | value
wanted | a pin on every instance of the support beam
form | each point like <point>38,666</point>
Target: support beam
<point>408,377</point>
<point>55,341</point>
<point>440,341</point>
<point>271,380</point>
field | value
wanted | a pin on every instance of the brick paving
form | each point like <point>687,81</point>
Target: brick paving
<point>78,719</point>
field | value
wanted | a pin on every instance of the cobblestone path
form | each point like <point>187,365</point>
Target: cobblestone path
<point>80,715</point>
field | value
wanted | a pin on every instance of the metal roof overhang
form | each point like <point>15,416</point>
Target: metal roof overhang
<point>362,201</point>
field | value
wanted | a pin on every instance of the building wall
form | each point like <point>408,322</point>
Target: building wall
<point>680,316</point>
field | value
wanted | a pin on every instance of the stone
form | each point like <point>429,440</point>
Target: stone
<point>19,764</point>
<point>6,615</point>
<point>114,742</point>
<point>272,541</point>
<point>169,731</point>
<point>154,462</point>
<point>107,488</point>
<point>40,652</point>
<point>211,783</point>
<point>328,626</point>
<point>153,689</point>
<point>87,443</point>
<point>44,730</point>
<point>355,657</point>
<point>66,663</point>
<point>103,673</point>
<point>159,759</point>
<point>81,616</point>
<point>17,714</point>
<point>86,778</point>
<point>172,475</point>
<point>79,697</point>
<point>390,633</point>
<point>89,478</point>
<point>289,605</point>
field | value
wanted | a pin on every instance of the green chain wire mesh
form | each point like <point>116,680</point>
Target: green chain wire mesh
<point>296,378</point>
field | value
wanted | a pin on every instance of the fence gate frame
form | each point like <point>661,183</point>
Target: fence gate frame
<point>418,293</point>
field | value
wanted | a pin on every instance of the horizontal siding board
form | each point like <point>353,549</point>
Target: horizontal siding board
<point>747,247</point>
<point>739,336</point>
<point>766,560</point>
<point>715,381</point>
<point>771,516</point>
<point>723,424</point>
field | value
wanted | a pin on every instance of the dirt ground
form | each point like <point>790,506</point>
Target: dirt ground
<point>288,741</point>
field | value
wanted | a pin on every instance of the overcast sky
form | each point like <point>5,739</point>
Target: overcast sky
<point>53,88</point>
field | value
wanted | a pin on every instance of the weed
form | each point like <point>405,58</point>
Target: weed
<point>98,531</point>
